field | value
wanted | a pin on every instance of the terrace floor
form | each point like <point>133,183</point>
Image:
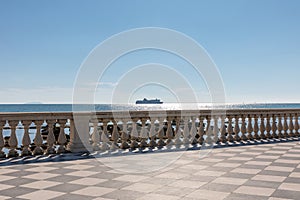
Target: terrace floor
<point>266,171</point>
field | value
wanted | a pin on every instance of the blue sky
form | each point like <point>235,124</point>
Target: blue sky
<point>255,45</point>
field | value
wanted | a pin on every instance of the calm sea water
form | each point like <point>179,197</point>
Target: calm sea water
<point>106,107</point>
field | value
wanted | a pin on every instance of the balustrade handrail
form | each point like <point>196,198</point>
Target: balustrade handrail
<point>155,128</point>
<point>136,114</point>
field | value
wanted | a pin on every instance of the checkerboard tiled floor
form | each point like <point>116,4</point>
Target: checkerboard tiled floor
<point>268,171</point>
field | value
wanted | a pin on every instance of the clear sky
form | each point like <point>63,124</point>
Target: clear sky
<point>255,44</point>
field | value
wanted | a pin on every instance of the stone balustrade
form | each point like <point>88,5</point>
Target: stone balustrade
<point>130,130</point>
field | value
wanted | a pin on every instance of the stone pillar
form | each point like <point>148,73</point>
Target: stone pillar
<point>79,136</point>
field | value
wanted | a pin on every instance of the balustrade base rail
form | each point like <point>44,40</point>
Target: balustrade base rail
<point>57,133</point>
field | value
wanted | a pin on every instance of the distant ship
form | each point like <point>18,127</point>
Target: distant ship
<point>150,101</point>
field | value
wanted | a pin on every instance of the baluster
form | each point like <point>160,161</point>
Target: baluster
<point>124,136</point>
<point>285,126</point>
<point>193,131</point>
<point>2,154</point>
<point>208,131</point>
<point>26,139</point>
<point>134,135</point>
<point>280,128</point>
<point>237,138</point>
<point>50,138</point>
<point>95,135</point>
<point>144,134</point>
<point>243,129</point>
<point>115,136</point>
<point>104,137</point>
<point>186,132</point>
<point>223,131</point>
<point>178,133</point>
<point>13,142</point>
<point>201,130</point>
<point>169,132</point>
<point>152,134</point>
<point>249,128</point>
<point>296,126</point>
<point>216,130</point>
<point>274,127</point>
<point>268,127</point>
<point>256,129</point>
<point>230,130</point>
<point>291,127</point>
<point>38,140</point>
<point>62,139</point>
<point>262,127</point>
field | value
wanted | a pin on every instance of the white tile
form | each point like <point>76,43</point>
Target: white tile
<point>241,158</point>
<point>158,196</point>
<point>260,163</point>
<point>5,186</point>
<point>290,187</point>
<point>208,194</point>
<point>267,157</point>
<point>93,191</point>
<point>6,178</point>
<point>7,171</point>
<point>246,170</point>
<point>41,176</point>
<point>255,190</point>
<point>41,184</point>
<point>41,194</point>
<point>172,175</point>
<point>82,173</point>
<point>210,173</point>
<point>231,181</point>
<point>4,197</point>
<point>88,181</point>
<point>279,168</point>
<point>142,187</point>
<point>187,184</point>
<point>269,178</point>
<point>286,161</point>
<point>41,169</point>
<point>295,175</point>
<point>229,165</point>
<point>131,178</point>
<point>79,167</point>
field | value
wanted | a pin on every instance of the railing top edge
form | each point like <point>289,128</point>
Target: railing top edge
<point>140,114</point>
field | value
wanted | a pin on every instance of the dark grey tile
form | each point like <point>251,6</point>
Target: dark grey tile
<point>16,191</point>
<point>267,184</point>
<point>199,178</point>
<point>73,197</point>
<point>238,175</point>
<point>106,175</point>
<point>274,173</point>
<point>62,171</point>
<point>219,187</point>
<point>64,178</point>
<point>236,196</point>
<point>292,180</point>
<point>66,187</point>
<point>114,184</point>
<point>123,195</point>
<point>18,181</point>
<point>286,194</point>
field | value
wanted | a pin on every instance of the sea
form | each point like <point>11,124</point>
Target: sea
<point>107,107</point>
